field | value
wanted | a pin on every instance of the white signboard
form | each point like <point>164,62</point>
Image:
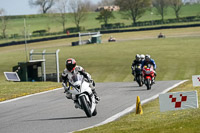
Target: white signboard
<point>178,100</point>
<point>196,80</point>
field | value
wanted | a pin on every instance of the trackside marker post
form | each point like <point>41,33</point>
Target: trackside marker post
<point>138,106</point>
<point>196,80</point>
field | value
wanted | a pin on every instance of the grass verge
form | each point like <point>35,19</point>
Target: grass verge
<point>10,90</point>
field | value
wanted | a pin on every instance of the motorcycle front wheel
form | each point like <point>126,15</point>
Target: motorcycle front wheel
<point>95,112</point>
<point>148,84</point>
<point>140,81</point>
<point>85,105</point>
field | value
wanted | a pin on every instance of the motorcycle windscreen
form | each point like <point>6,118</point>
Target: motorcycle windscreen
<point>76,78</point>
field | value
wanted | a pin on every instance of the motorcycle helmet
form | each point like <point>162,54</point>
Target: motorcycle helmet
<point>142,57</point>
<point>70,64</point>
<point>147,57</point>
<point>137,57</point>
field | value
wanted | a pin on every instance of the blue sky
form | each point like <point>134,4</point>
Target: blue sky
<point>21,7</point>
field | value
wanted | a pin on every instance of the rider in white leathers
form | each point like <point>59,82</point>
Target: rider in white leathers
<point>72,68</point>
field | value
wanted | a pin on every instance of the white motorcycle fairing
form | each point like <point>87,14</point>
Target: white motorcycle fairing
<point>82,93</point>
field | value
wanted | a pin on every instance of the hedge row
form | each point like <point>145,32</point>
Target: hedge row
<point>28,16</point>
<point>153,22</point>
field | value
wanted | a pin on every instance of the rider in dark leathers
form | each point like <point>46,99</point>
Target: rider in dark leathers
<point>136,62</point>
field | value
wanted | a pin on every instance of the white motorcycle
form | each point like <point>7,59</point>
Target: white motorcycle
<point>82,93</point>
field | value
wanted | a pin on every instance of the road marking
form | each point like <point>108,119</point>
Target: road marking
<point>129,109</point>
<point>19,98</point>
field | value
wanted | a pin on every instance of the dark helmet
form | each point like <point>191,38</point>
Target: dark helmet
<point>147,57</point>
<point>70,64</point>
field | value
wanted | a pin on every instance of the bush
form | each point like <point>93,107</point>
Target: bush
<point>74,29</point>
<point>111,26</point>
<point>71,30</point>
<point>39,32</point>
<point>14,36</point>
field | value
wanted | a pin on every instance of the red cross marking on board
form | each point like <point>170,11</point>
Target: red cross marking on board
<point>198,79</point>
<point>178,104</point>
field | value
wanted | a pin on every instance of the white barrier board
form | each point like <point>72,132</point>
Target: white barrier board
<point>178,100</point>
<point>196,80</point>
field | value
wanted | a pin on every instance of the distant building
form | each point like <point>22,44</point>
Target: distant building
<point>110,8</point>
<point>190,1</point>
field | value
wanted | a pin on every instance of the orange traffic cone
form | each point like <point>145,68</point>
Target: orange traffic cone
<point>138,106</point>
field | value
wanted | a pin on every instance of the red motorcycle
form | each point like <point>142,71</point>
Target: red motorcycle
<point>149,76</point>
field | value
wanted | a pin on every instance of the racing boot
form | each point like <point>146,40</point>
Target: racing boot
<point>76,104</point>
<point>153,80</point>
<point>68,95</point>
<point>92,86</point>
<point>95,95</point>
<point>154,77</point>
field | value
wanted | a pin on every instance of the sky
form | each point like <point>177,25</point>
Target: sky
<point>21,7</point>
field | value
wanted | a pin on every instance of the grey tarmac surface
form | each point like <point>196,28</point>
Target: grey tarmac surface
<point>52,113</point>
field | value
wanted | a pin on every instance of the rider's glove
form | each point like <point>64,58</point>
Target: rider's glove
<point>89,79</point>
<point>63,84</point>
<point>65,87</point>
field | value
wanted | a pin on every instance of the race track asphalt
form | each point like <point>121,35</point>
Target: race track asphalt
<point>51,112</point>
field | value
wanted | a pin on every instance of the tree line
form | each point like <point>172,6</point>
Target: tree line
<point>129,9</point>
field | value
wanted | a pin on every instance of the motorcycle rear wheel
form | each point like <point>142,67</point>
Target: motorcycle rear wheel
<point>85,105</point>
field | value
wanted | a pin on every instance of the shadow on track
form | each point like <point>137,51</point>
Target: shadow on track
<point>54,119</point>
<point>138,89</point>
<point>134,88</point>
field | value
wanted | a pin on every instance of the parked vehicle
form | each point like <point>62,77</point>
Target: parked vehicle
<point>112,39</point>
<point>161,35</point>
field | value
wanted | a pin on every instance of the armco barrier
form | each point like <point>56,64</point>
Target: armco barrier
<point>102,32</point>
<point>37,40</point>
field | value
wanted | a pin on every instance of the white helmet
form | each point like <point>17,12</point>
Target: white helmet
<point>142,56</point>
